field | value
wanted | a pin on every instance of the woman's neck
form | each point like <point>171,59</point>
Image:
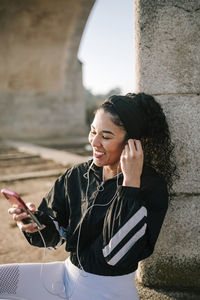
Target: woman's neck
<point>110,172</point>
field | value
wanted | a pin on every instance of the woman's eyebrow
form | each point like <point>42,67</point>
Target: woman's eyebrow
<point>104,131</point>
<point>107,131</point>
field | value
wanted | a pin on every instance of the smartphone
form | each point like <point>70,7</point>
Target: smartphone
<point>14,198</point>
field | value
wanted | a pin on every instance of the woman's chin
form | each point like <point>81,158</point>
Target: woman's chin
<point>98,162</point>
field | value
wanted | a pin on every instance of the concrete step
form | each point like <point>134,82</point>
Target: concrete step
<point>13,156</point>
<point>62,157</point>
<point>31,175</point>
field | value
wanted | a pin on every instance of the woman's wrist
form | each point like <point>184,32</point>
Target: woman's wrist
<point>131,182</point>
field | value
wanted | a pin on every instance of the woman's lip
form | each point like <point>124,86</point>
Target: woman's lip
<point>98,154</point>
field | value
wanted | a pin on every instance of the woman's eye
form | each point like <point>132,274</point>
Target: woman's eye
<point>92,132</point>
<point>104,137</point>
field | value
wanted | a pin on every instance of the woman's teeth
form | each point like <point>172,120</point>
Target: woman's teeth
<point>98,154</point>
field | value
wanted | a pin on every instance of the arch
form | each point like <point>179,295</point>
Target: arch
<point>41,78</point>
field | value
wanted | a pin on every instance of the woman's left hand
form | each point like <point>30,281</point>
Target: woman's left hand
<point>131,161</point>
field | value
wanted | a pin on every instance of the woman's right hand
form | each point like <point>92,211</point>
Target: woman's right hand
<point>19,214</point>
<point>131,161</point>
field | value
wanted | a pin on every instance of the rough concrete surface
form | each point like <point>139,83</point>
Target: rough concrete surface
<point>167,35</point>
<point>175,263</point>
<point>161,294</point>
<point>183,115</point>
<point>167,42</point>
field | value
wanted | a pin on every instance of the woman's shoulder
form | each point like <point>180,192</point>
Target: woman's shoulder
<point>150,177</point>
<point>154,187</point>
<point>78,168</point>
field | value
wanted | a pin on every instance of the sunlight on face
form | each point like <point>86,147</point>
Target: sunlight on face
<point>106,139</point>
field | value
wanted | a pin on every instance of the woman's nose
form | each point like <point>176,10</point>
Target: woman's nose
<point>96,141</point>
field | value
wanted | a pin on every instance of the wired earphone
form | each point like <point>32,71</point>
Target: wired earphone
<point>100,188</point>
<point>61,292</point>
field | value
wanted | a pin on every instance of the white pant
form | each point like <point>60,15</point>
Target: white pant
<point>81,285</point>
<point>62,280</point>
<point>23,281</point>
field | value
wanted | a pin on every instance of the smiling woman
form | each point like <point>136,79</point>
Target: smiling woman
<point>107,141</point>
<point>109,210</point>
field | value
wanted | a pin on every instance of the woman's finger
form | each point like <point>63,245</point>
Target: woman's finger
<point>14,210</point>
<point>31,206</point>
<point>132,147</point>
<point>30,228</point>
<point>20,217</point>
<point>138,146</point>
<point>126,150</point>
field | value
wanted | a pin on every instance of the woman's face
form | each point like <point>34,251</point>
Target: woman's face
<point>106,139</point>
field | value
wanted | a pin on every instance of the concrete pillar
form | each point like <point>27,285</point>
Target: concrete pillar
<point>167,43</point>
<point>41,91</point>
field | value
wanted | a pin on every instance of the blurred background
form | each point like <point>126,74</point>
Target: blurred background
<point>59,60</point>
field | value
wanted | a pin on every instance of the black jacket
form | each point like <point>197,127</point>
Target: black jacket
<point>113,238</point>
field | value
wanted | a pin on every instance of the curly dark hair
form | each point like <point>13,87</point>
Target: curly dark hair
<point>156,143</point>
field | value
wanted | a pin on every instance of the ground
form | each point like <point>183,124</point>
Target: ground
<point>13,247</point>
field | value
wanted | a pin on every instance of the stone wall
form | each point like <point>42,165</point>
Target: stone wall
<point>40,116</point>
<point>41,91</point>
<point>167,39</point>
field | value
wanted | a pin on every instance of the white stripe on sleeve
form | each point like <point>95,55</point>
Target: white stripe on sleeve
<point>114,260</point>
<point>124,230</point>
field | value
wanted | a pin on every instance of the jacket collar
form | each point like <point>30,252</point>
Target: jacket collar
<point>98,171</point>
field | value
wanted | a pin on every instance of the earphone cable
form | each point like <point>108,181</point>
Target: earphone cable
<point>93,205</point>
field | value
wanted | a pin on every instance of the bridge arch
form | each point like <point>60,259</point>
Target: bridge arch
<point>41,91</point>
